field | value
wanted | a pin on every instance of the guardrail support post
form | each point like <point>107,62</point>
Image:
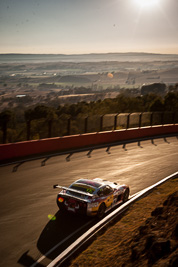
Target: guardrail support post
<point>68,126</point>
<point>86,125</point>
<point>140,120</point>
<point>50,128</point>
<point>151,119</point>
<point>173,118</point>
<point>101,123</point>
<point>4,128</point>
<point>115,122</point>
<point>28,130</point>
<point>162,118</point>
<point>128,121</point>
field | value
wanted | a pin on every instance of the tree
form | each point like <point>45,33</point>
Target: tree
<point>156,105</point>
<point>5,117</point>
<point>148,99</point>
<point>171,101</point>
<point>40,112</point>
<point>123,103</point>
<point>28,118</point>
<point>51,116</point>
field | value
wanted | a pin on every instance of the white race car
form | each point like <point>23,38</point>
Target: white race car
<point>91,197</point>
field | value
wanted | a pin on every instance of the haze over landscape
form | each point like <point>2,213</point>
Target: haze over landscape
<point>97,82</point>
<point>82,26</point>
<point>65,52</point>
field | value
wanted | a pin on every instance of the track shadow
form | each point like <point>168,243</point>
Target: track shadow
<point>60,231</point>
<point>27,260</point>
<point>166,141</point>
<point>56,236</point>
<point>153,143</point>
<point>124,147</point>
<point>43,163</point>
<point>139,144</point>
<point>15,168</point>
<point>69,156</point>
<point>108,147</point>
<point>108,150</point>
<point>89,153</point>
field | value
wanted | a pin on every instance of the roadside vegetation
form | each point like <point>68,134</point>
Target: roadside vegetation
<point>44,121</point>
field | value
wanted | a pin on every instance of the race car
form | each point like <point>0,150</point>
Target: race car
<point>91,197</point>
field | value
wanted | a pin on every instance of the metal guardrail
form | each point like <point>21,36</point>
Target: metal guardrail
<point>66,254</point>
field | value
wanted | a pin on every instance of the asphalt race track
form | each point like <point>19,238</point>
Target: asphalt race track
<point>28,200</point>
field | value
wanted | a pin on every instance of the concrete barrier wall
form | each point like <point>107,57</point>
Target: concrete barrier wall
<point>35,147</point>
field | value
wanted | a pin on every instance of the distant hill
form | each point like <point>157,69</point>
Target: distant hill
<point>122,57</point>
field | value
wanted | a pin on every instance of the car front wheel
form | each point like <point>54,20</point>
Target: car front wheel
<point>101,211</point>
<point>126,195</point>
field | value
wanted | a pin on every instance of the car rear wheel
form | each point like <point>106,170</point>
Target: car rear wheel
<point>126,195</point>
<point>101,211</point>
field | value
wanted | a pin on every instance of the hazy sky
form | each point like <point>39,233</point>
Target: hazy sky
<point>86,26</point>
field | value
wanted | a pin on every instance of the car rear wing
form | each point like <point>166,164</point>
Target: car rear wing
<point>72,190</point>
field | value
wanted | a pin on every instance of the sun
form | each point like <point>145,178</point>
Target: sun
<point>146,3</point>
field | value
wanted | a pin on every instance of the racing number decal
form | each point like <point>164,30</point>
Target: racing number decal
<point>109,201</point>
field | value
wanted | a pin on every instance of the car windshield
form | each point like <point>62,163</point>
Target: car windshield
<point>89,182</point>
<point>83,188</point>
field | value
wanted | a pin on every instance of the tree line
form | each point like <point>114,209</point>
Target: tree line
<point>42,121</point>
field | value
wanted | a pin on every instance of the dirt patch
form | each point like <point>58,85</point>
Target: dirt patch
<point>147,235</point>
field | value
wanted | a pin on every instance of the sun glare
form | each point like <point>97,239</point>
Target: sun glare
<point>146,3</point>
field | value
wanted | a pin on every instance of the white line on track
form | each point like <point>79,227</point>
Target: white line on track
<point>60,243</point>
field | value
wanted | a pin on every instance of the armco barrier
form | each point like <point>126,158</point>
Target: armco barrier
<point>35,147</point>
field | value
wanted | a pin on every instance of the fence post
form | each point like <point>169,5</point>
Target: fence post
<point>50,128</point>
<point>101,123</point>
<point>28,130</point>
<point>86,125</point>
<point>115,121</point>
<point>68,126</point>
<point>4,128</point>
<point>151,119</point>
<point>162,118</point>
<point>173,118</point>
<point>140,120</point>
<point>128,121</point>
